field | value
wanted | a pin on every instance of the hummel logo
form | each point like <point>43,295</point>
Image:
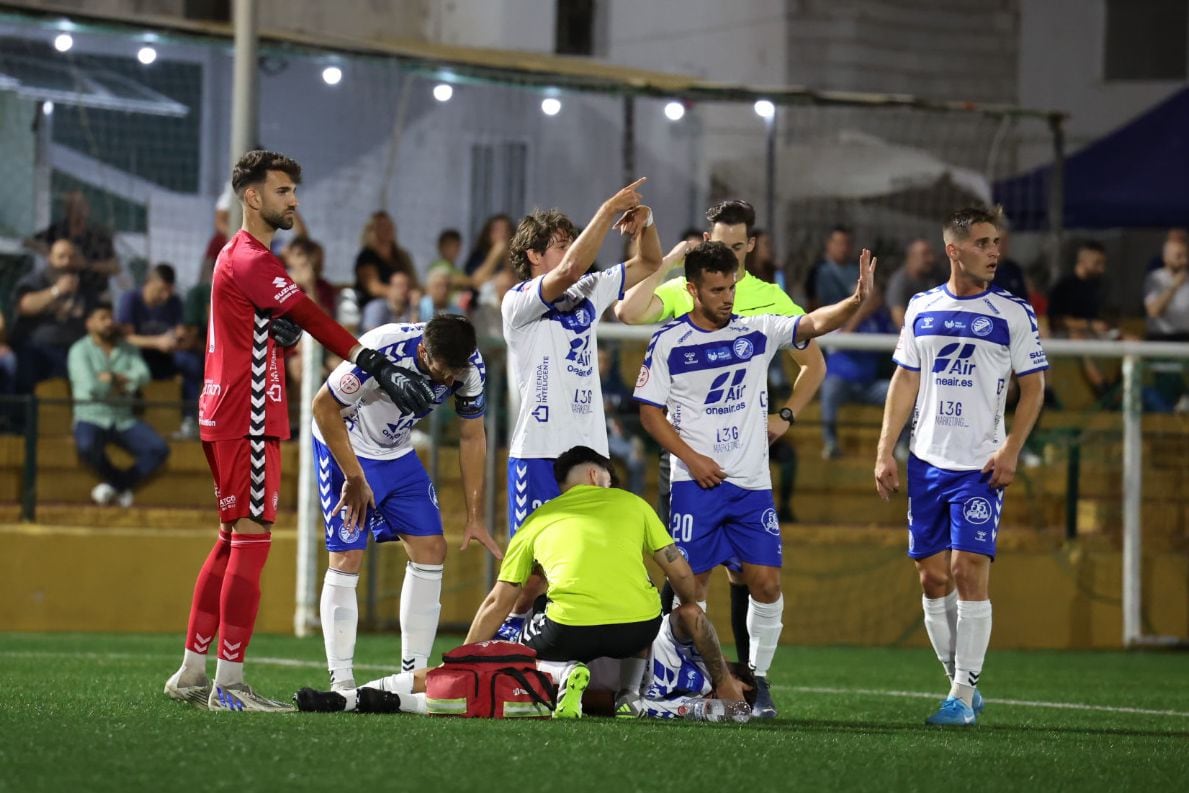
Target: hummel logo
<point>201,643</point>
<point>973,677</point>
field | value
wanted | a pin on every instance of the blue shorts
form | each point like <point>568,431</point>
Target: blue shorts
<point>724,524</point>
<point>951,510</point>
<point>406,502</point>
<point>530,484</point>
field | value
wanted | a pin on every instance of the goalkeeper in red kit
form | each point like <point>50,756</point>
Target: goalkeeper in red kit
<point>242,416</point>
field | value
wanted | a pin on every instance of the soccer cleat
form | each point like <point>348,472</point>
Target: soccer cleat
<point>764,707</point>
<point>627,706</point>
<point>195,693</point>
<point>569,699</point>
<point>241,697</point>
<point>309,700</point>
<point>511,630</point>
<point>374,700</point>
<point>952,713</point>
<point>977,702</point>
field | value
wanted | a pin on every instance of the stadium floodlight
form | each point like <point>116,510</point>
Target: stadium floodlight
<point>332,75</point>
<point>47,108</point>
<point>443,92</point>
<point>63,42</point>
<point>146,55</point>
<point>674,111</point>
<point>551,106</point>
<point>765,109</point>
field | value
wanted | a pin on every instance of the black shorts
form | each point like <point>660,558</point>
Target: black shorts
<point>556,642</point>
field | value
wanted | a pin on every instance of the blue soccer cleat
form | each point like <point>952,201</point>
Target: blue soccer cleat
<point>977,702</point>
<point>953,713</point>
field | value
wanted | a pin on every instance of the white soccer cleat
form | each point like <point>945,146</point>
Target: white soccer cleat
<point>241,697</point>
<point>195,691</point>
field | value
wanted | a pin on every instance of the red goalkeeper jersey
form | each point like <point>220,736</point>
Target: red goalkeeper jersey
<point>243,392</point>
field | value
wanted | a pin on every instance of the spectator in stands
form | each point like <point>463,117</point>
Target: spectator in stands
<point>380,257</point>
<point>97,260</point>
<point>51,308</point>
<point>8,363</point>
<point>917,274</point>
<point>1173,235</point>
<point>833,278</point>
<point>856,377</point>
<point>191,352</point>
<point>439,297</point>
<point>1009,274</point>
<point>491,244</point>
<point>1166,299</point>
<point>398,305</point>
<point>486,314</point>
<point>219,235</point>
<point>449,249</point>
<point>1075,309</point>
<point>150,319</point>
<point>761,261</point>
<point>623,438</point>
<point>305,260</point>
<point>105,374</point>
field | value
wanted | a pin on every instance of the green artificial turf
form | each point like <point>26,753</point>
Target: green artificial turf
<point>85,712</point>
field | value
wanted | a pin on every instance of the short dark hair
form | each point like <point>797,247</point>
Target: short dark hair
<point>449,235</point>
<point>102,305</point>
<point>841,229</point>
<point>313,250</point>
<point>534,233</point>
<point>733,212</point>
<point>691,232</point>
<point>579,455</point>
<point>254,166</point>
<point>166,273</point>
<point>957,226</point>
<point>451,339</point>
<point>709,257</point>
<point>1091,245</point>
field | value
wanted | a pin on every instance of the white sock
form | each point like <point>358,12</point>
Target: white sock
<point>631,674</point>
<point>414,703</point>
<point>763,626</point>
<point>339,609</point>
<point>974,634</point>
<point>351,695</point>
<point>193,664</point>
<point>420,607</point>
<point>701,603</point>
<point>558,670</point>
<point>394,684</point>
<point>941,617</point>
<point>228,673</point>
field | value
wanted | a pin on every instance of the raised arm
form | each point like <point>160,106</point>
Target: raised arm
<point>582,252</point>
<point>638,223</point>
<point>827,318</point>
<point>640,305</point>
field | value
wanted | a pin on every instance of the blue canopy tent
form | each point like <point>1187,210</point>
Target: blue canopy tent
<point>1135,177</point>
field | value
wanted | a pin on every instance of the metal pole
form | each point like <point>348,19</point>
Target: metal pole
<point>1056,198</point>
<point>629,139</point>
<point>1132,501</point>
<point>492,430</point>
<point>29,483</point>
<point>770,185</point>
<point>244,88</point>
<point>312,496</point>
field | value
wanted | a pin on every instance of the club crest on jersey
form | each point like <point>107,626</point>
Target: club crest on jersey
<point>771,522</point>
<point>744,349</point>
<point>349,384</point>
<point>349,535</point>
<point>977,510</point>
<point>981,326</point>
<point>642,378</point>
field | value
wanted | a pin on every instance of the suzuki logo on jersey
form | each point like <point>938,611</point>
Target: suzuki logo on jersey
<point>953,365</point>
<point>280,282</point>
<point>722,391</point>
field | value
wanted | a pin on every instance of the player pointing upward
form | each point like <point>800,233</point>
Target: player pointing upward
<point>242,417</point>
<point>959,345</point>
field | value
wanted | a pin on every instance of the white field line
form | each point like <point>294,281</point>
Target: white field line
<point>832,691</point>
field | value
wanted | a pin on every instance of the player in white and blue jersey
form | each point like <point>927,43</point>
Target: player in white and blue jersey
<point>958,348</point>
<point>708,369</point>
<point>550,322</point>
<point>363,455</point>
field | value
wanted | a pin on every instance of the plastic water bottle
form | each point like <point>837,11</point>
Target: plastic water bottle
<point>717,710</point>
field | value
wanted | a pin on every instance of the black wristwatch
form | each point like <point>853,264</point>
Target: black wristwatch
<point>787,415</point>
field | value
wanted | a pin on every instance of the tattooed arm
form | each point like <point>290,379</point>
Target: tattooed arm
<point>677,570</point>
<point>689,622</point>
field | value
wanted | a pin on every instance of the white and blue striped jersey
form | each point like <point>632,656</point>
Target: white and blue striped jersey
<point>553,364</point>
<point>379,430</point>
<point>965,349</point>
<point>714,384</point>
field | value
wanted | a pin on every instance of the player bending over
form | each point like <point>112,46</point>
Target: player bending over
<point>365,458</point>
<point>709,370</point>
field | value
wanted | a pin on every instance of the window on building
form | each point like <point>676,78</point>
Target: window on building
<point>575,31</point>
<point>1146,40</point>
<point>211,10</point>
